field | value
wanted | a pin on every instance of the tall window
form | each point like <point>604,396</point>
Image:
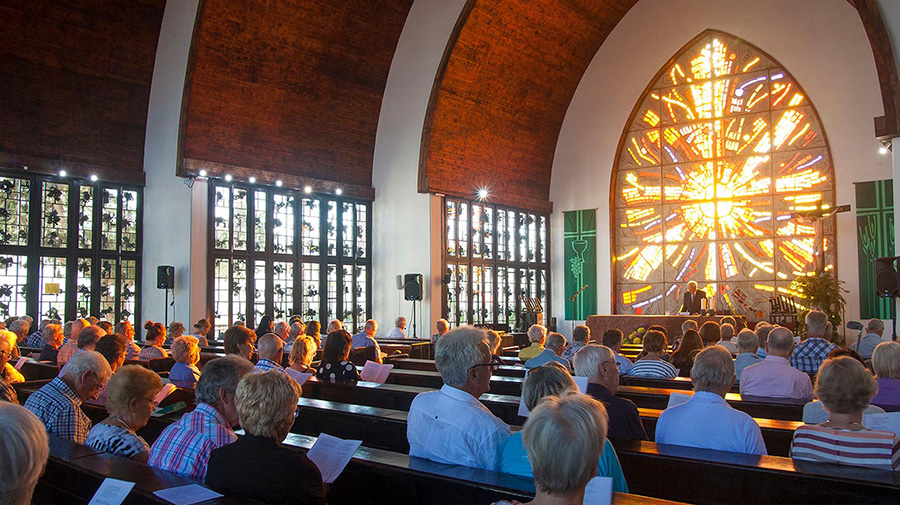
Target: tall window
<point>69,248</point>
<point>722,153</point>
<point>493,258</point>
<point>281,252</point>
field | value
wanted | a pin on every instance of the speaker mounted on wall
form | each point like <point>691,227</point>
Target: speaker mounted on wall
<point>412,287</point>
<point>165,277</point>
<point>887,279</point>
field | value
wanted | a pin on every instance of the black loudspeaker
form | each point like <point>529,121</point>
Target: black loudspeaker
<point>412,287</point>
<point>887,281</point>
<point>165,277</point>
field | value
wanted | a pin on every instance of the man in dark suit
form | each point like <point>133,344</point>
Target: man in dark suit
<point>692,299</point>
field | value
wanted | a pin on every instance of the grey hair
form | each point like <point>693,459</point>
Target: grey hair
<point>221,373</point>
<point>713,370</point>
<point>20,326</point>
<point>86,361</point>
<point>873,326</point>
<point>587,360</point>
<point>459,350</point>
<point>762,333</point>
<point>536,333</point>
<point>727,331</point>
<point>268,345</point>
<point>28,318</point>
<point>399,320</point>
<point>581,333</point>
<point>282,324</point>
<point>816,322</point>
<point>747,340</point>
<point>551,379</point>
<point>297,329</point>
<point>780,339</point>
<point>555,341</point>
<point>24,451</point>
<point>689,324</point>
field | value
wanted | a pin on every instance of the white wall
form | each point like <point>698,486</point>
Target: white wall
<point>167,201</point>
<point>822,43</point>
<point>402,220</point>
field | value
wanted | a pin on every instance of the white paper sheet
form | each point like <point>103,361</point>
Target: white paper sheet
<point>598,491</point>
<point>187,495</point>
<point>889,421</point>
<point>164,392</point>
<point>375,372</point>
<point>677,399</point>
<point>331,455</point>
<point>111,492</point>
<point>300,377</point>
<point>20,362</point>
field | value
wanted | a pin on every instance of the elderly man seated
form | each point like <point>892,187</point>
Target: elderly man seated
<point>451,426</point>
<point>537,334</point>
<point>613,340</point>
<point>746,349</point>
<point>874,332</point>
<point>270,352</point>
<point>774,377</point>
<point>598,364</point>
<point>706,420</point>
<point>366,338</point>
<point>813,351</point>
<point>183,448</point>
<point>58,403</point>
<point>726,334</point>
<point>554,348</point>
<point>581,336</point>
<point>71,346</point>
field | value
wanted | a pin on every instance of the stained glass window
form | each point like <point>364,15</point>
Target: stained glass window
<point>723,155</point>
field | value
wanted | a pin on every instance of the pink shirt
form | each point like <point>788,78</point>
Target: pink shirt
<point>774,377</point>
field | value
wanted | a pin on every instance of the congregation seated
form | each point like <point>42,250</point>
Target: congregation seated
<point>239,341</point>
<point>774,377</point>
<point>131,398</point>
<point>450,425</point>
<point>762,331</point>
<point>126,329</point>
<point>295,331</point>
<point>313,330</point>
<point>58,403</point>
<point>581,336</point>
<point>36,339</point>
<point>270,352</point>
<point>552,380</point>
<point>257,466</point>
<point>366,338</point>
<point>874,332</point>
<point>335,364</point>
<point>845,388</point>
<point>186,352</point>
<point>266,325</point>
<point>282,330</point>
<point>72,344</point>
<point>598,364</point>
<point>334,325</point>
<point>20,328</point>
<point>814,412</point>
<point>442,327</point>
<point>52,338</point>
<point>613,340</point>
<point>813,350</point>
<point>175,330</point>
<point>886,365</point>
<point>726,332</point>
<point>183,448</point>
<point>706,421</point>
<point>156,337</point>
<point>688,324</point>
<point>24,449</point>
<point>561,476</point>
<point>537,335</point>
<point>7,393</point>
<point>553,349</point>
<point>399,329</point>
<point>683,357</point>
<point>747,343</point>
<point>302,354</point>
<point>201,331</point>
<point>652,365</point>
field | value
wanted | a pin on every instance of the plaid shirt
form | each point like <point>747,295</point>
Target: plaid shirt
<point>184,447</point>
<point>809,354</point>
<point>35,340</point>
<point>264,365</point>
<point>59,408</point>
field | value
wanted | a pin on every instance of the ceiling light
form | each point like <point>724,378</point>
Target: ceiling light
<point>252,180</point>
<point>202,173</point>
<point>62,173</point>
<point>278,183</point>
<point>94,177</point>
<point>227,177</point>
<point>339,191</point>
<point>483,194</point>
<point>307,189</point>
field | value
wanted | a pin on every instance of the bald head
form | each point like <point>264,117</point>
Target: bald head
<point>780,342</point>
<point>77,326</point>
<point>270,347</point>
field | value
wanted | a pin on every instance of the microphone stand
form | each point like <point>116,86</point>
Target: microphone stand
<point>572,299</point>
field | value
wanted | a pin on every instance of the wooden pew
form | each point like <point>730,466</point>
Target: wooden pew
<point>427,365</point>
<point>35,370</point>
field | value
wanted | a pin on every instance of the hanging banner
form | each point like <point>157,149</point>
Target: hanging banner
<point>580,243</point>
<point>875,239</point>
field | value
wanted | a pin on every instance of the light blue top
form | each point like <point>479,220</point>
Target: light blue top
<point>515,461</point>
<point>546,356</point>
<point>742,361</point>
<point>761,352</point>
<point>868,343</point>
<point>182,372</point>
<point>706,421</point>
<point>624,364</point>
<point>362,339</point>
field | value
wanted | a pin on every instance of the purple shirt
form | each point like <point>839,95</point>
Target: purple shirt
<point>775,378</point>
<point>888,396</point>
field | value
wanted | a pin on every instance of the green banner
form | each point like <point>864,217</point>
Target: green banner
<point>875,239</point>
<point>580,242</point>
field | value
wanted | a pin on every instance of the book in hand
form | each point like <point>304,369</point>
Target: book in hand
<point>889,421</point>
<point>300,377</point>
<point>375,372</point>
<point>331,455</point>
<point>164,392</point>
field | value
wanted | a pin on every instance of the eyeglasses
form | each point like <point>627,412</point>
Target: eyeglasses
<point>153,402</point>
<point>494,363</point>
<point>614,362</point>
<point>5,353</point>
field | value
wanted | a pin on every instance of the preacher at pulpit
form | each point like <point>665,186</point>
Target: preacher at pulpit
<point>692,299</point>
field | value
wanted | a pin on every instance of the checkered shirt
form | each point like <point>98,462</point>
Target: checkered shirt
<point>35,341</point>
<point>809,354</point>
<point>59,408</point>
<point>184,447</point>
<point>264,365</point>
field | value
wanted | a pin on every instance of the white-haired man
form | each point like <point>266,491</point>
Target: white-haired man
<point>537,335</point>
<point>774,377</point>
<point>58,403</point>
<point>874,333</point>
<point>692,301</point>
<point>398,331</point>
<point>270,349</point>
<point>442,326</point>
<point>706,421</point>
<point>727,333</point>
<point>555,346</point>
<point>813,351</point>
<point>598,364</point>
<point>451,426</point>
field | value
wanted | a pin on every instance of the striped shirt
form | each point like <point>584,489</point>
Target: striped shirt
<point>653,368</point>
<point>116,440</point>
<point>869,448</point>
<point>183,448</point>
<point>58,406</point>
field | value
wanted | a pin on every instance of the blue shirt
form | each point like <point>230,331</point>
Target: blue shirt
<point>867,345</point>
<point>624,364</point>
<point>706,421</point>
<point>546,356</point>
<point>362,339</point>
<point>264,365</point>
<point>761,353</point>
<point>58,406</point>
<point>515,461</point>
<point>742,361</point>
<point>182,372</point>
<point>809,354</point>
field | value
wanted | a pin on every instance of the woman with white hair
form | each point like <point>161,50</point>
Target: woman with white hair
<point>552,380</point>
<point>131,398</point>
<point>398,330</point>
<point>7,393</point>
<point>257,466</point>
<point>886,364</point>
<point>186,351</point>
<point>560,476</point>
<point>24,451</point>
<point>537,335</point>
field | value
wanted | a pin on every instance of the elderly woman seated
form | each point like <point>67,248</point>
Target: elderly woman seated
<point>886,364</point>
<point>552,380</point>
<point>652,364</point>
<point>845,388</point>
<point>131,398</point>
<point>176,329</point>
<point>24,446</point>
<point>335,364</point>
<point>537,335</point>
<point>156,337</point>
<point>302,354</point>
<point>187,354</point>
<point>52,334</point>
<point>560,476</point>
<point>257,465</point>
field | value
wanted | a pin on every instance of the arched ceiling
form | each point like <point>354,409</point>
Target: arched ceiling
<point>506,80</point>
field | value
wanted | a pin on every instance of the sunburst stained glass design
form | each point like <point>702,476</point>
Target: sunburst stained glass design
<point>723,151</point>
